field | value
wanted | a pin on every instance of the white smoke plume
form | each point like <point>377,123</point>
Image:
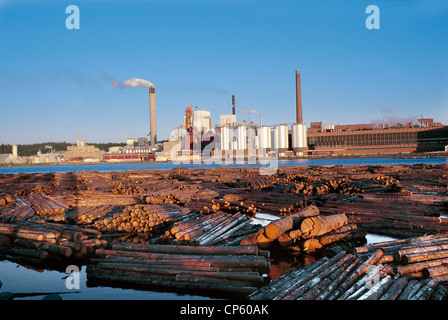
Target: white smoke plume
<point>249,112</point>
<point>134,82</point>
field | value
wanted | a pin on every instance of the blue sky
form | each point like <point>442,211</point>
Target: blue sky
<point>53,81</point>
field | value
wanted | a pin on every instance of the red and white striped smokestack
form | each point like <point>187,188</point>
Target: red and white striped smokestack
<point>299,117</point>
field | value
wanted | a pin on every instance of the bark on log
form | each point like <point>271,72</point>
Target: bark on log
<point>395,289</point>
<point>317,226</point>
<point>424,256</point>
<point>278,227</point>
<point>435,271</point>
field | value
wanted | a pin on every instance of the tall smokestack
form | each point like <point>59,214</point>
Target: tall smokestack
<point>233,104</point>
<point>299,117</point>
<point>152,115</point>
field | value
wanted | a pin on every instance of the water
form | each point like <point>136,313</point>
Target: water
<point>167,165</point>
<point>17,278</point>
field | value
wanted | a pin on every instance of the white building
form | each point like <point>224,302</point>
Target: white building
<point>202,120</point>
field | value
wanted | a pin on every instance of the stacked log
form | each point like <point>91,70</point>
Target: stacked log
<point>49,241</point>
<point>140,218</point>
<point>20,209</point>
<point>88,215</point>
<point>232,271</point>
<point>46,206</point>
<point>213,229</point>
<point>404,219</point>
<point>305,230</point>
<point>352,276</point>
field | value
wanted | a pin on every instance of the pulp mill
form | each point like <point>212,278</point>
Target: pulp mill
<point>248,139</point>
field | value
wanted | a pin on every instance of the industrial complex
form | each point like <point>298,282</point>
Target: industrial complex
<point>195,138</point>
<point>247,139</point>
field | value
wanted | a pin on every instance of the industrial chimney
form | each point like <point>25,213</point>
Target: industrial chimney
<point>299,118</point>
<point>152,115</point>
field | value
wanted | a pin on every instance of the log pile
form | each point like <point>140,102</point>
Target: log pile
<point>351,276</point>
<point>231,271</point>
<point>405,218</point>
<point>140,218</point>
<point>37,242</point>
<point>219,228</point>
<point>406,201</point>
<point>305,231</point>
<point>20,209</point>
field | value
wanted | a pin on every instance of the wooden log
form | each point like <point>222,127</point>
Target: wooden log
<point>338,280</point>
<point>276,228</point>
<point>193,250</point>
<point>351,279</point>
<point>440,293</point>
<point>435,271</point>
<point>39,255</point>
<point>419,266</point>
<point>4,240</point>
<point>48,247</point>
<point>411,287</point>
<point>418,250</point>
<point>377,290</point>
<point>307,282</point>
<point>395,289</point>
<point>311,271</point>
<point>237,261</point>
<point>325,279</point>
<point>317,226</point>
<point>425,291</point>
<point>424,256</point>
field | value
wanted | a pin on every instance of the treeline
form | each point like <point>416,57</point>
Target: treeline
<point>25,150</point>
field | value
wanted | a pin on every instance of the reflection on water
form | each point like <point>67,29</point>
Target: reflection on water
<point>26,279</point>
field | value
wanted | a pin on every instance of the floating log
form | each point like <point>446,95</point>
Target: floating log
<point>317,226</point>
<point>275,229</point>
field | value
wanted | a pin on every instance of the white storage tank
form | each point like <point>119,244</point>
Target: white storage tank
<point>298,138</point>
<point>241,132</point>
<point>264,137</point>
<point>225,138</point>
<point>281,138</point>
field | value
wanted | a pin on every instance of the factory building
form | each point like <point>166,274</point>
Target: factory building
<point>365,139</point>
<point>83,152</point>
<point>134,150</point>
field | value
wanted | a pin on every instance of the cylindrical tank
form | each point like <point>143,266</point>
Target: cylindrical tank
<point>241,145</point>
<point>298,137</point>
<point>225,143</point>
<point>264,137</point>
<point>281,138</point>
<point>251,138</point>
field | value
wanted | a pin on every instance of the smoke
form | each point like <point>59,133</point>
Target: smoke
<point>134,82</point>
<point>249,112</point>
<point>391,119</point>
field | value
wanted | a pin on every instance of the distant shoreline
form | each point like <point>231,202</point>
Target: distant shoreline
<point>427,155</point>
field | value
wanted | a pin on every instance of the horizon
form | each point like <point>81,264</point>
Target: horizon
<point>58,84</point>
